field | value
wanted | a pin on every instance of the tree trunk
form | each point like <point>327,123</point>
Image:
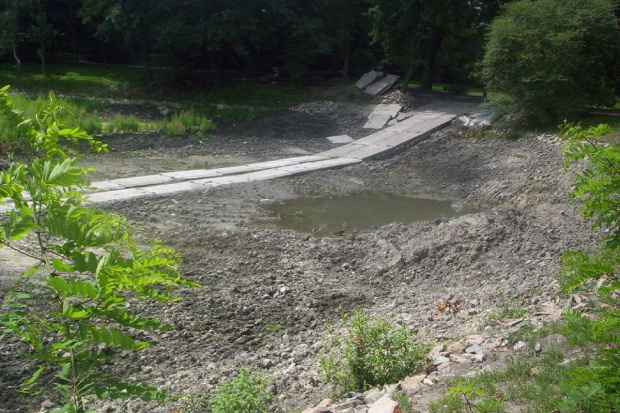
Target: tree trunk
<point>103,54</point>
<point>345,67</point>
<point>42,56</point>
<point>215,67</point>
<point>147,61</point>
<point>19,62</point>
<point>73,39</point>
<point>412,54</point>
<point>430,58</point>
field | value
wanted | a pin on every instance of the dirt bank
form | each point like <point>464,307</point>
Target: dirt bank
<point>269,292</point>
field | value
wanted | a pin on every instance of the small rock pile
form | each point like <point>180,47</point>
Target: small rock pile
<point>396,96</point>
<point>550,139</point>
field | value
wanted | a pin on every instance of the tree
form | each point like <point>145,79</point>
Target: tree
<point>413,33</point>
<point>553,58</point>
<point>348,28</point>
<point>70,306</point>
<point>10,32</point>
<point>138,21</point>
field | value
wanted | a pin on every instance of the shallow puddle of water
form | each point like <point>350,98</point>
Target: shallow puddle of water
<point>359,211</point>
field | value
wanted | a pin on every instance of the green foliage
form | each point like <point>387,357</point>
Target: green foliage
<point>590,397</point>
<point>371,353</point>
<point>95,80</point>
<point>469,391</point>
<point>246,393</point>
<point>404,404</point>
<point>553,58</point>
<point>599,183</point>
<point>69,307</point>
<point>125,124</point>
<point>188,121</point>
<point>65,111</point>
<point>595,386</point>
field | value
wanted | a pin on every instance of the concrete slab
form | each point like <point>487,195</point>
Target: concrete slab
<point>104,186</point>
<point>381,115</point>
<point>381,85</point>
<point>111,196</point>
<point>138,181</point>
<point>192,174</point>
<point>340,139</point>
<point>173,188</point>
<point>368,78</point>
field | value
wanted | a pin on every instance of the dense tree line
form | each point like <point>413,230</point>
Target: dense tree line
<point>425,39</point>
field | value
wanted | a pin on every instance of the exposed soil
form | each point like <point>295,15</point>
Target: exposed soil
<point>268,293</point>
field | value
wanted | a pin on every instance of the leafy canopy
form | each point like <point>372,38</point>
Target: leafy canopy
<point>553,58</point>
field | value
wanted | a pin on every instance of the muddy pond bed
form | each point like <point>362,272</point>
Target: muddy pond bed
<point>358,211</point>
<point>269,293</point>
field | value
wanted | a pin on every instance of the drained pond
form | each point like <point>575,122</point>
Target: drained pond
<point>328,215</point>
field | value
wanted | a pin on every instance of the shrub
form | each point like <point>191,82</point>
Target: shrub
<point>246,393</point>
<point>188,121</point>
<point>595,387</point>
<point>70,306</point>
<point>123,124</point>
<point>553,58</point>
<point>371,353</point>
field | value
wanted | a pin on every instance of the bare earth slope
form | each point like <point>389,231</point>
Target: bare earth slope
<point>268,293</point>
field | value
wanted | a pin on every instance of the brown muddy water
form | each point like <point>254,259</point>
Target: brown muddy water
<point>336,215</point>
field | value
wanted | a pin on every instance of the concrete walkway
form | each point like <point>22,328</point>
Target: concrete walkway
<point>411,130</point>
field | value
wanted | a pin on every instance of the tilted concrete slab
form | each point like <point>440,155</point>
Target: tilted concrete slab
<point>340,139</point>
<point>368,78</point>
<point>381,85</point>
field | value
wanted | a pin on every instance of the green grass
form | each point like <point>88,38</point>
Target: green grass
<point>84,113</point>
<point>529,384</point>
<point>91,80</point>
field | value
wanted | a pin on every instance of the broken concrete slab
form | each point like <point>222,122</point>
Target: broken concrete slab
<point>381,115</point>
<point>381,85</point>
<point>368,78</point>
<point>119,195</point>
<point>340,139</point>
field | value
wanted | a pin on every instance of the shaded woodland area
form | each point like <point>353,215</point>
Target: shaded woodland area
<point>197,42</point>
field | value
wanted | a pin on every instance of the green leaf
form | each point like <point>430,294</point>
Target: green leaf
<point>60,285</point>
<point>59,265</point>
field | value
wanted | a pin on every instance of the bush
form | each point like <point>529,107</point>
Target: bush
<point>595,387</point>
<point>371,353</point>
<point>553,58</point>
<point>188,121</point>
<point>246,393</point>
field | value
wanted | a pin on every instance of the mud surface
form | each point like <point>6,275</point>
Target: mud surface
<point>268,293</point>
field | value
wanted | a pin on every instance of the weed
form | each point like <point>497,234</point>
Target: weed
<point>403,401</point>
<point>247,393</point>
<point>371,353</point>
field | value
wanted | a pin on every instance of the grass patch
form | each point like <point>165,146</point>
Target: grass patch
<point>527,384</point>
<point>93,80</point>
<point>85,114</point>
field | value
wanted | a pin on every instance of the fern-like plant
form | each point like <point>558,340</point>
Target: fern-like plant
<point>598,186</point>
<point>69,307</point>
